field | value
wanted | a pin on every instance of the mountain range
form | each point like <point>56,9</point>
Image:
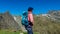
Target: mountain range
<point>43,24</point>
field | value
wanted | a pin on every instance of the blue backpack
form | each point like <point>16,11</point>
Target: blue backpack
<point>25,18</point>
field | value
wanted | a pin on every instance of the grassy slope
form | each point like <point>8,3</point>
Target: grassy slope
<point>8,32</point>
<point>43,25</point>
<point>11,32</point>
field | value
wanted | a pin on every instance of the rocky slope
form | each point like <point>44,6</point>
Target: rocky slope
<point>8,22</point>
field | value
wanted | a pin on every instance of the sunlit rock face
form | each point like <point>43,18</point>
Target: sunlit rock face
<point>18,20</point>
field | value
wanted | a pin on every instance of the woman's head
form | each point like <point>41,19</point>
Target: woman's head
<point>30,9</point>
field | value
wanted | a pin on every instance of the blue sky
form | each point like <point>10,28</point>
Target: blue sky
<point>16,7</point>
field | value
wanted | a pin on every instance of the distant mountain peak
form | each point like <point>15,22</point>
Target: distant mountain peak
<point>44,14</point>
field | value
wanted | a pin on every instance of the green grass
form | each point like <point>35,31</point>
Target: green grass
<point>8,32</point>
<point>12,32</point>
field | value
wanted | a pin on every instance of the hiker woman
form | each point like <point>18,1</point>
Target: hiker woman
<point>27,20</point>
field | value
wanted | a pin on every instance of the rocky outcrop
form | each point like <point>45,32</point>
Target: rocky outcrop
<point>8,22</point>
<point>54,15</point>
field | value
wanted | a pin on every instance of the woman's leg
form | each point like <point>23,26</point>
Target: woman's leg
<point>29,29</point>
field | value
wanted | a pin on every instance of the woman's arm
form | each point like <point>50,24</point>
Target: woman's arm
<point>30,17</point>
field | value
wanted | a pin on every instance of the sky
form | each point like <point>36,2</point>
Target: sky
<point>16,7</point>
